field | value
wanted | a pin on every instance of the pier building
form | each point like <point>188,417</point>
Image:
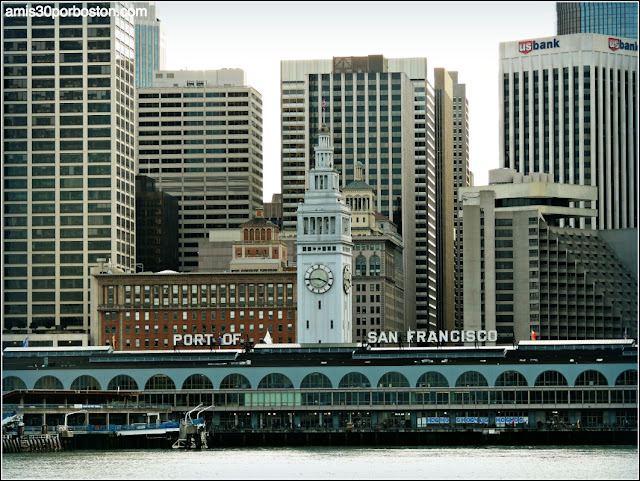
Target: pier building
<point>533,385</point>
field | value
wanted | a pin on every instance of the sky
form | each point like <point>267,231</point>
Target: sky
<point>257,36</point>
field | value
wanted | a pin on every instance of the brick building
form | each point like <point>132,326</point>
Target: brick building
<point>172,310</point>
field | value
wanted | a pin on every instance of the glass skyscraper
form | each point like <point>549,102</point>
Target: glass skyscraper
<point>607,18</point>
<point>150,45</point>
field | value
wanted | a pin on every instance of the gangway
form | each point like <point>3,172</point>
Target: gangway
<point>193,433</point>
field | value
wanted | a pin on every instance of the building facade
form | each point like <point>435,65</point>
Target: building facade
<point>69,167</point>
<point>569,108</point>
<point>524,273</point>
<point>462,177</point>
<point>618,19</point>
<point>445,234</point>
<point>324,254</point>
<point>540,386</point>
<point>381,113</point>
<point>248,298</point>
<point>260,247</point>
<point>151,55</point>
<point>178,311</point>
<point>200,139</point>
<point>156,228</point>
<point>378,275</point>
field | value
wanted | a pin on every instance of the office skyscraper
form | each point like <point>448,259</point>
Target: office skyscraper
<point>68,168</point>
<point>381,113</point>
<point>462,177</point>
<point>150,45</point>
<point>569,107</point>
<point>200,139</point>
<point>445,286</point>
<point>618,19</point>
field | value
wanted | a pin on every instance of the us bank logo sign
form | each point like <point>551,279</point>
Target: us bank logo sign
<point>531,45</point>
<point>617,44</point>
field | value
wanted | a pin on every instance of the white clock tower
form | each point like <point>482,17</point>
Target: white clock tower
<point>324,254</point>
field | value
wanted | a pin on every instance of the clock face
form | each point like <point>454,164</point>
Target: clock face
<point>318,278</point>
<point>346,278</point>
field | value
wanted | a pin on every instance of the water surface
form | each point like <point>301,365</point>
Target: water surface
<point>330,463</point>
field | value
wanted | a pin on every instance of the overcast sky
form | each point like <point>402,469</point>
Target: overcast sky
<point>256,36</point>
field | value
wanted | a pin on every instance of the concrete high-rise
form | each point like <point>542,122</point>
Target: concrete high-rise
<point>445,285</point>
<point>200,139</point>
<point>619,19</point>
<point>381,113</point>
<point>151,55</point>
<point>524,273</point>
<point>462,177</point>
<point>569,108</point>
<point>69,167</point>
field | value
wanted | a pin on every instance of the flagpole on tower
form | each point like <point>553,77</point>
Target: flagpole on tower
<point>324,105</point>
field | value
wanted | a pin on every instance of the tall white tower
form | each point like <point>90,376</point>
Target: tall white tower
<point>324,254</point>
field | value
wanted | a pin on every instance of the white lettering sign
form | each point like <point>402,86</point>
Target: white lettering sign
<point>433,336</point>
<point>227,339</point>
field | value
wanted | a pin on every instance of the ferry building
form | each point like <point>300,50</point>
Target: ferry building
<point>286,386</point>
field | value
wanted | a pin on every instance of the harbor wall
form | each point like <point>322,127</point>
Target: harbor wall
<point>284,438</point>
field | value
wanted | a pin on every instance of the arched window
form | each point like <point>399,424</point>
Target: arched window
<point>591,378</point>
<point>354,380</point>
<point>275,381</point>
<point>316,380</point>
<point>511,378</point>
<point>197,381</point>
<point>627,378</point>
<point>235,381</point>
<point>432,379</point>
<point>472,379</point>
<point>160,381</point>
<point>124,382</point>
<point>85,383</point>
<point>12,383</point>
<point>393,379</point>
<point>361,265</point>
<point>551,378</point>
<point>374,265</point>
<point>48,382</point>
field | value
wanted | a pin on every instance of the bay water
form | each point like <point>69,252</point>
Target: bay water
<point>586,462</point>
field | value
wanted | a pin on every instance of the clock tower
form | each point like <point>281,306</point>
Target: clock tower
<point>324,254</point>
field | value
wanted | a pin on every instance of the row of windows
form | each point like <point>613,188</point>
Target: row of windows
<point>203,294</point>
<point>318,380</point>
